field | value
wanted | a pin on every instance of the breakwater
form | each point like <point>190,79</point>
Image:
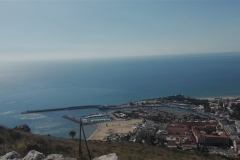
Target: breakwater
<point>77,120</point>
<point>60,109</point>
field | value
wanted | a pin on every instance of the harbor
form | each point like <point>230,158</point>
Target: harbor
<point>92,118</point>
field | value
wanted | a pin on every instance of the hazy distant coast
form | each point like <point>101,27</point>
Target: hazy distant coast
<point>220,97</point>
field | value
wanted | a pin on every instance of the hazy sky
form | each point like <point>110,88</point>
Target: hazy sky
<point>78,29</point>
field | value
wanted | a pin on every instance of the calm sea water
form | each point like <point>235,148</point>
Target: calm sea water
<point>50,84</point>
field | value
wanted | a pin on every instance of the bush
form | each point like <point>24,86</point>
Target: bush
<point>22,148</point>
<point>63,149</point>
<point>1,140</point>
<point>15,135</point>
<point>33,147</point>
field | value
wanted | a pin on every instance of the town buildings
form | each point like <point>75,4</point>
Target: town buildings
<point>208,135</point>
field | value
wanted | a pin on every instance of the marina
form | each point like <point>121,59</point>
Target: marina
<point>95,115</point>
<point>90,119</point>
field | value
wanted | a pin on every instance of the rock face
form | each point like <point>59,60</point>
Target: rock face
<point>10,155</point>
<point>23,128</point>
<point>34,155</point>
<point>111,156</point>
<point>57,157</point>
<point>54,157</point>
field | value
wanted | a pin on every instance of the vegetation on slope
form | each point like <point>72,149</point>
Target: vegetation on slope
<point>23,142</point>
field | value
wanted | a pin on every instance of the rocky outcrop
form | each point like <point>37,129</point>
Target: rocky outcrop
<point>111,156</point>
<point>23,128</point>
<point>10,155</point>
<point>54,157</point>
<point>58,157</point>
<point>34,155</point>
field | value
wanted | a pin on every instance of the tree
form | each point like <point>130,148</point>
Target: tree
<point>72,134</point>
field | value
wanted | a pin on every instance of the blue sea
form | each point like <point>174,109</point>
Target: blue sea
<point>53,84</point>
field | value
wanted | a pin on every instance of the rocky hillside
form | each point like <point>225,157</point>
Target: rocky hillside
<point>34,155</point>
<point>24,142</point>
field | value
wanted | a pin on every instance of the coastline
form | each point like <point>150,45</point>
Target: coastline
<point>95,132</point>
<point>224,97</point>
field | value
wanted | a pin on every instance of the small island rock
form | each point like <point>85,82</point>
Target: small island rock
<point>23,128</point>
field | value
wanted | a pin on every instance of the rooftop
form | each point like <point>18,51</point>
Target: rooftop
<point>199,133</point>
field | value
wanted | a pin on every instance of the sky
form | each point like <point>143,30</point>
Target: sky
<point>46,30</point>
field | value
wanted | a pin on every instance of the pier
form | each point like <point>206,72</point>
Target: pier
<point>67,108</point>
<point>61,109</point>
<point>77,120</point>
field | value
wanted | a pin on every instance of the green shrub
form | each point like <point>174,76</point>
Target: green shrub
<point>1,140</point>
<point>15,135</point>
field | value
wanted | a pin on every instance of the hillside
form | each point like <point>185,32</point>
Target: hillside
<point>23,142</point>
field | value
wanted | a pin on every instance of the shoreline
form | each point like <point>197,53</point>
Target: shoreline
<point>97,129</point>
<point>224,97</point>
<point>197,97</point>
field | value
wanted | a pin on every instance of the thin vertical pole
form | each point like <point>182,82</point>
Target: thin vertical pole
<point>86,141</point>
<point>80,140</point>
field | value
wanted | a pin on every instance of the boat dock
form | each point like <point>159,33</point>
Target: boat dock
<point>84,121</point>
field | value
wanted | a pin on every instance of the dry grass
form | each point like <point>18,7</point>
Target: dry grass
<point>23,142</point>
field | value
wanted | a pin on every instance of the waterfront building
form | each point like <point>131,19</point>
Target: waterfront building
<point>207,135</point>
<point>177,129</point>
<point>172,141</point>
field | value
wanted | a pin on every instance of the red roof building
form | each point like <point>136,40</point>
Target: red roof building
<point>202,135</point>
<point>177,129</point>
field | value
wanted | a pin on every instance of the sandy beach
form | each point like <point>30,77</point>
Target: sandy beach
<point>107,128</point>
